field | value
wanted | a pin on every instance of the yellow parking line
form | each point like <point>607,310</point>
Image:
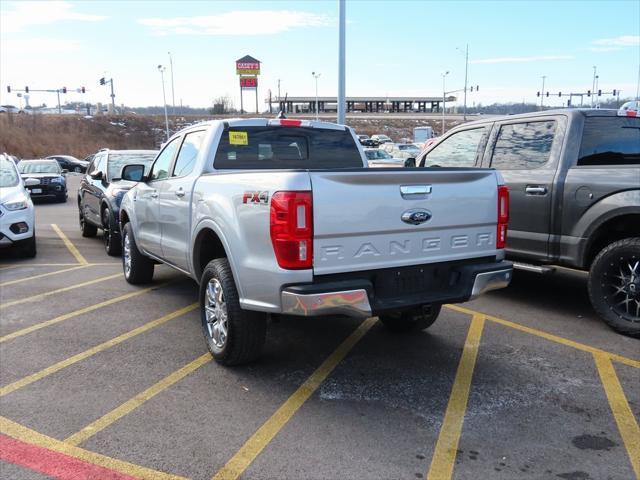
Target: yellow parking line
<point>72,248</point>
<point>12,387</point>
<point>130,405</point>
<point>24,434</point>
<point>444,455</point>
<point>261,438</point>
<point>40,296</point>
<point>549,336</point>
<point>627,424</point>
<point>75,313</point>
<point>34,277</point>
<point>28,265</point>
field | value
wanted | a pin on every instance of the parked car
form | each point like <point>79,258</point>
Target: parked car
<point>378,158</point>
<point>401,150</point>
<point>366,141</point>
<point>17,215</point>
<point>630,109</point>
<point>259,221</point>
<point>44,179</point>
<point>380,138</point>
<point>69,163</point>
<point>574,181</point>
<point>101,191</point>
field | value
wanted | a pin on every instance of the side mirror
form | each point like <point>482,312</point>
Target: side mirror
<point>410,162</point>
<point>64,171</point>
<point>133,173</point>
<point>97,175</point>
<point>31,182</point>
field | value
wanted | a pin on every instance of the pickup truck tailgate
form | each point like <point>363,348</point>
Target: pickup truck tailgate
<point>358,217</point>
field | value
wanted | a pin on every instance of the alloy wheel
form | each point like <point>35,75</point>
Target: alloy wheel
<point>216,313</point>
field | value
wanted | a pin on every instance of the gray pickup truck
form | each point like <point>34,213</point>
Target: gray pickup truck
<point>282,217</point>
<point>574,185</point>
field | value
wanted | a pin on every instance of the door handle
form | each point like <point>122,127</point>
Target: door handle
<point>536,190</point>
<point>153,194</point>
<point>180,192</point>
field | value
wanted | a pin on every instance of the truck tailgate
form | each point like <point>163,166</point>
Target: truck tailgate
<point>358,225</point>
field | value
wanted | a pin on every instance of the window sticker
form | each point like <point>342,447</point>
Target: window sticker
<point>238,138</point>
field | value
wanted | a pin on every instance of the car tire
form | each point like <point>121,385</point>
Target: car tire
<point>414,320</point>
<point>62,198</point>
<point>112,242</point>
<point>138,268</point>
<point>86,228</point>
<point>234,336</point>
<point>614,285</point>
<point>28,247</point>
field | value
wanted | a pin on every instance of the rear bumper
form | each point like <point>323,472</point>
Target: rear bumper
<point>362,297</point>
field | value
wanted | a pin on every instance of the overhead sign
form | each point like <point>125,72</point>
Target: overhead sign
<point>248,82</point>
<point>247,65</point>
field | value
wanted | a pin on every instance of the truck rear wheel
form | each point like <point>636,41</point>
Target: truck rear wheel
<point>234,336</point>
<point>137,268</point>
<point>614,285</point>
<point>412,320</point>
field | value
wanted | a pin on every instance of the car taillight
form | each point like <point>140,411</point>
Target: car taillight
<point>503,216</point>
<point>292,229</point>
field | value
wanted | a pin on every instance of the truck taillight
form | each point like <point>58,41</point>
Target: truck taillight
<point>292,229</point>
<point>503,216</point>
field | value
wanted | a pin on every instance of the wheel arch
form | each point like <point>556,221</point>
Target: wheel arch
<point>209,244</point>
<point>621,224</point>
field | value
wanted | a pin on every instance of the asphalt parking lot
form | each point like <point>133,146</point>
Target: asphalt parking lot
<point>104,380</point>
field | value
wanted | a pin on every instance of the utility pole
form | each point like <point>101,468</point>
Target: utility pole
<point>466,72</point>
<point>595,90</point>
<point>161,69</point>
<point>278,90</point>
<point>444,98</point>
<point>544,77</point>
<point>173,95</point>
<point>341,65</point>
<point>316,75</point>
<point>59,107</point>
<point>593,85</point>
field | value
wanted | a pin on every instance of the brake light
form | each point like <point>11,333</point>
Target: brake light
<point>503,216</point>
<point>292,229</point>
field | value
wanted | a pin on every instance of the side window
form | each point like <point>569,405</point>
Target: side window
<point>523,146</point>
<point>188,153</point>
<point>160,168</point>
<point>610,141</point>
<point>459,150</point>
<point>97,164</point>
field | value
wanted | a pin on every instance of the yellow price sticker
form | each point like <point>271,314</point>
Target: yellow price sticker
<point>238,138</point>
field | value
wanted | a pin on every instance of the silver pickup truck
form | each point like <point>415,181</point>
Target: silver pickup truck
<point>283,217</point>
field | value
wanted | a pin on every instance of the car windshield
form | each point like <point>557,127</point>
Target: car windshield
<point>119,160</point>
<point>39,167</point>
<point>377,155</point>
<point>8,175</point>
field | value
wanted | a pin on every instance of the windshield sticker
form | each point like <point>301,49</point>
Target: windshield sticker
<point>238,138</point>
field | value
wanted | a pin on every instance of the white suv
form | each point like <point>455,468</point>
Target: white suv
<point>17,215</point>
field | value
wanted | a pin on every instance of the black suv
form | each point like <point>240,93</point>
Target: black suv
<point>72,164</point>
<point>101,192</point>
<point>574,186</point>
<point>52,182</point>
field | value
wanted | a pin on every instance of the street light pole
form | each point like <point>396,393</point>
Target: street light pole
<point>316,75</point>
<point>544,77</point>
<point>173,95</point>
<point>161,69</point>
<point>466,72</point>
<point>444,99</point>
<point>593,85</point>
<point>341,65</point>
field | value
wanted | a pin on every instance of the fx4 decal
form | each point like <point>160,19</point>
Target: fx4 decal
<point>256,197</point>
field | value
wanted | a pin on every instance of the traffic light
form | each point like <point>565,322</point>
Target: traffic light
<point>82,89</point>
<point>599,93</point>
<point>588,93</point>
<point>614,93</point>
<point>26,89</point>
<point>9,89</point>
<point>547,93</point>
<point>64,89</point>
<point>559,94</point>
<point>102,81</point>
<point>538,94</point>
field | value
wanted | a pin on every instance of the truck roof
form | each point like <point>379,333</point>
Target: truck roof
<point>264,122</point>
<point>574,112</point>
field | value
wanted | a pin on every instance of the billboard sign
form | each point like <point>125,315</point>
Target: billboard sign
<point>248,82</point>
<point>247,65</point>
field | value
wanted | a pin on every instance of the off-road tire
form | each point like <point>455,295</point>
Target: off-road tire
<point>141,266</point>
<point>414,320</point>
<point>86,228</point>
<point>246,329</point>
<point>602,279</point>
<point>28,247</point>
<point>111,237</point>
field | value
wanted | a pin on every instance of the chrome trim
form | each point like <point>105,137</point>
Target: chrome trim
<point>354,303</point>
<point>487,281</point>
<point>415,191</point>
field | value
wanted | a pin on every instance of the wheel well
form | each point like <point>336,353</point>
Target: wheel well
<point>124,219</point>
<point>207,247</point>
<point>611,231</point>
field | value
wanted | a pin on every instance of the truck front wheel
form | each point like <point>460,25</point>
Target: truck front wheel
<point>614,285</point>
<point>234,336</point>
<point>412,320</point>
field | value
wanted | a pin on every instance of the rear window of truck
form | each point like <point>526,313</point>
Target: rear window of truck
<point>610,141</point>
<point>285,148</point>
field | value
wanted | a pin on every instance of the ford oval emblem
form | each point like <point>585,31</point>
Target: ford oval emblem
<point>416,216</point>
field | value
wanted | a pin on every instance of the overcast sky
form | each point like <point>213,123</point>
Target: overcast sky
<point>393,48</point>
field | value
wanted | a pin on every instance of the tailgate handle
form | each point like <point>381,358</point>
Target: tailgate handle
<point>414,191</point>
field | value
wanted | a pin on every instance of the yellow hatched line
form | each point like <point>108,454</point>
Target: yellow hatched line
<point>12,387</point>
<point>130,405</point>
<point>627,424</point>
<point>444,455</point>
<point>40,296</point>
<point>261,438</point>
<point>76,313</point>
<point>70,246</point>
<point>549,336</point>
<point>34,277</point>
<point>24,434</point>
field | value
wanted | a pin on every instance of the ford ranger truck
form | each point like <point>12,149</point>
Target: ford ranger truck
<point>283,217</point>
